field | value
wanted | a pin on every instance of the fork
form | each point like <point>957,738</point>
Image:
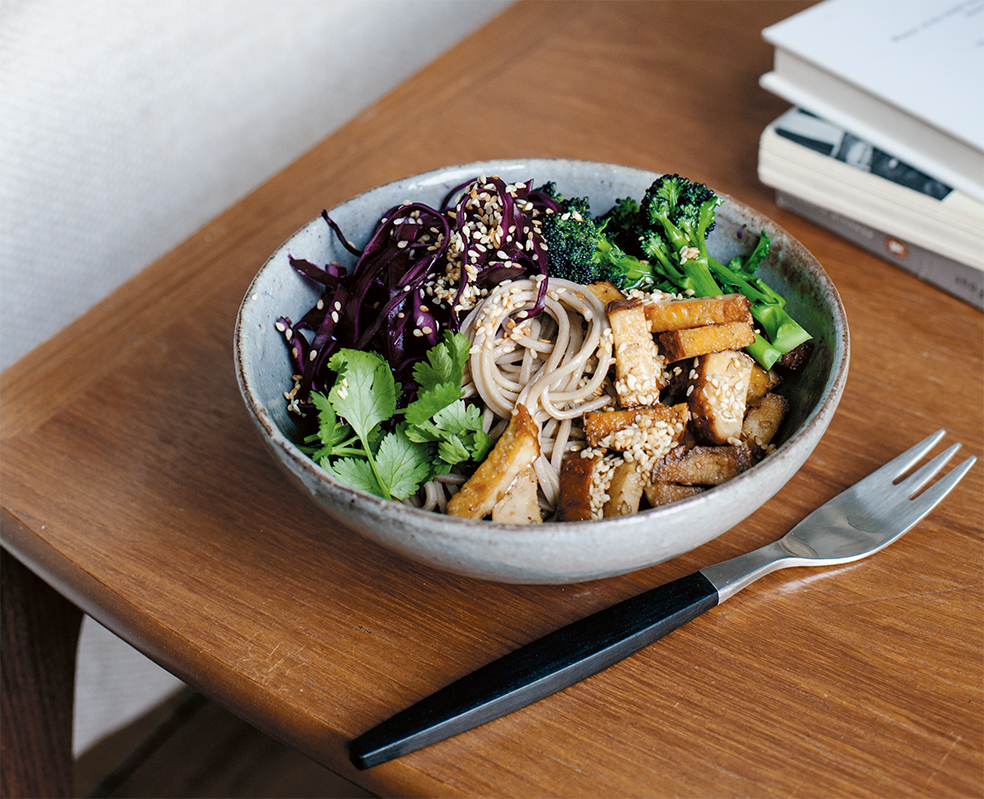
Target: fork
<point>856,523</point>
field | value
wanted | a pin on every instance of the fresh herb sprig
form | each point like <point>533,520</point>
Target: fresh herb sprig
<point>358,444</point>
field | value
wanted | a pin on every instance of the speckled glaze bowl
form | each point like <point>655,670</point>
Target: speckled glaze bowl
<point>554,552</point>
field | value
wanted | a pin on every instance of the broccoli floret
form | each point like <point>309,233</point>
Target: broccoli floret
<point>622,270</point>
<point>679,216</point>
<point>579,250</point>
<point>624,225</point>
<point>571,238</point>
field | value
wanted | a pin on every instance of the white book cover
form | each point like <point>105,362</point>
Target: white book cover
<point>906,74</point>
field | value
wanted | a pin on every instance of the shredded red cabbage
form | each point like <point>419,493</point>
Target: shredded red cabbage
<point>417,276</point>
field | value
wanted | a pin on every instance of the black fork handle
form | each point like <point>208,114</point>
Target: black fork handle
<point>538,669</point>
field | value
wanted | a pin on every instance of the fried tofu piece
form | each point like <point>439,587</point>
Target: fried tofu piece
<point>665,493</point>
<point>605,291</point>
<point>577,476</point>
<point>520,504</point>
<point>624,491</point>
<point>697,312</point>
<point>675,389</point>
<point>694,341</point>
<point>797,358</point>
<point>716,396</point>
<point>701,465</point>
<point>762,421</point>
<point>760,383</point>
<point>599,425</point>
<point>639,368</point>
<point>516,449</point>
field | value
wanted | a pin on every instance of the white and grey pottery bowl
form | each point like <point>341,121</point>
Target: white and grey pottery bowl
<point>542,553</point>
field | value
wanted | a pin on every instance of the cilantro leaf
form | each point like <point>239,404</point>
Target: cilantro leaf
<point>460,346</point>
<point>458,429</point>
<point>365,392</point>
<point>482,444</point>
<point>358,474</point>
<point>445,363</point>
<point>459,418</point>
<point>437,369</point>
<point>432,402</point>
<point>424,432</point>
<point>451,450</point>
<point>330,433</point>
<point>402,465</point>
<point>465,421</point>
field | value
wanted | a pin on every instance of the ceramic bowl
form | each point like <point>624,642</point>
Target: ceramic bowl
<point>552,552</point>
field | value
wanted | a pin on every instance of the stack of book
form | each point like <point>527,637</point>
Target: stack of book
<point>885,144</point>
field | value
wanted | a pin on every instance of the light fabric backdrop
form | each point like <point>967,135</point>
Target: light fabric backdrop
<point>125,125</point>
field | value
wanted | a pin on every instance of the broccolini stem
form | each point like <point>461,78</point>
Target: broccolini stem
<point>785,333</point>
<point>763,352</point>
<point>767,309</point>
<point>701,277</point>
<point>746,288</point>
<point>677,237</point>
<point>669,268</point>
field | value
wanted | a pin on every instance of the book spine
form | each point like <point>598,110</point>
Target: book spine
<point>963,282</point>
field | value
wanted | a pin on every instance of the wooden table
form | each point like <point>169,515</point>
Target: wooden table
<point>133,484</point>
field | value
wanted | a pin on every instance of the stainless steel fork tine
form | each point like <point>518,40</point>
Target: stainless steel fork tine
<point>898,466</point>
<point>911,484</point>
<point>935,494</point>
<point>909,513</point>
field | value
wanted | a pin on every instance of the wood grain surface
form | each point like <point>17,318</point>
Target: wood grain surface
<point>133,483</point>
<point>40,635</point>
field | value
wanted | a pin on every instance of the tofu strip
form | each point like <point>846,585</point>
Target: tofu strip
<point>697,311</point>
<point>513,453</point>
<point>639,368</point>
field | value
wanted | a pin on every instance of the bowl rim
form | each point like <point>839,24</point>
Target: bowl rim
<point>443,525</point>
